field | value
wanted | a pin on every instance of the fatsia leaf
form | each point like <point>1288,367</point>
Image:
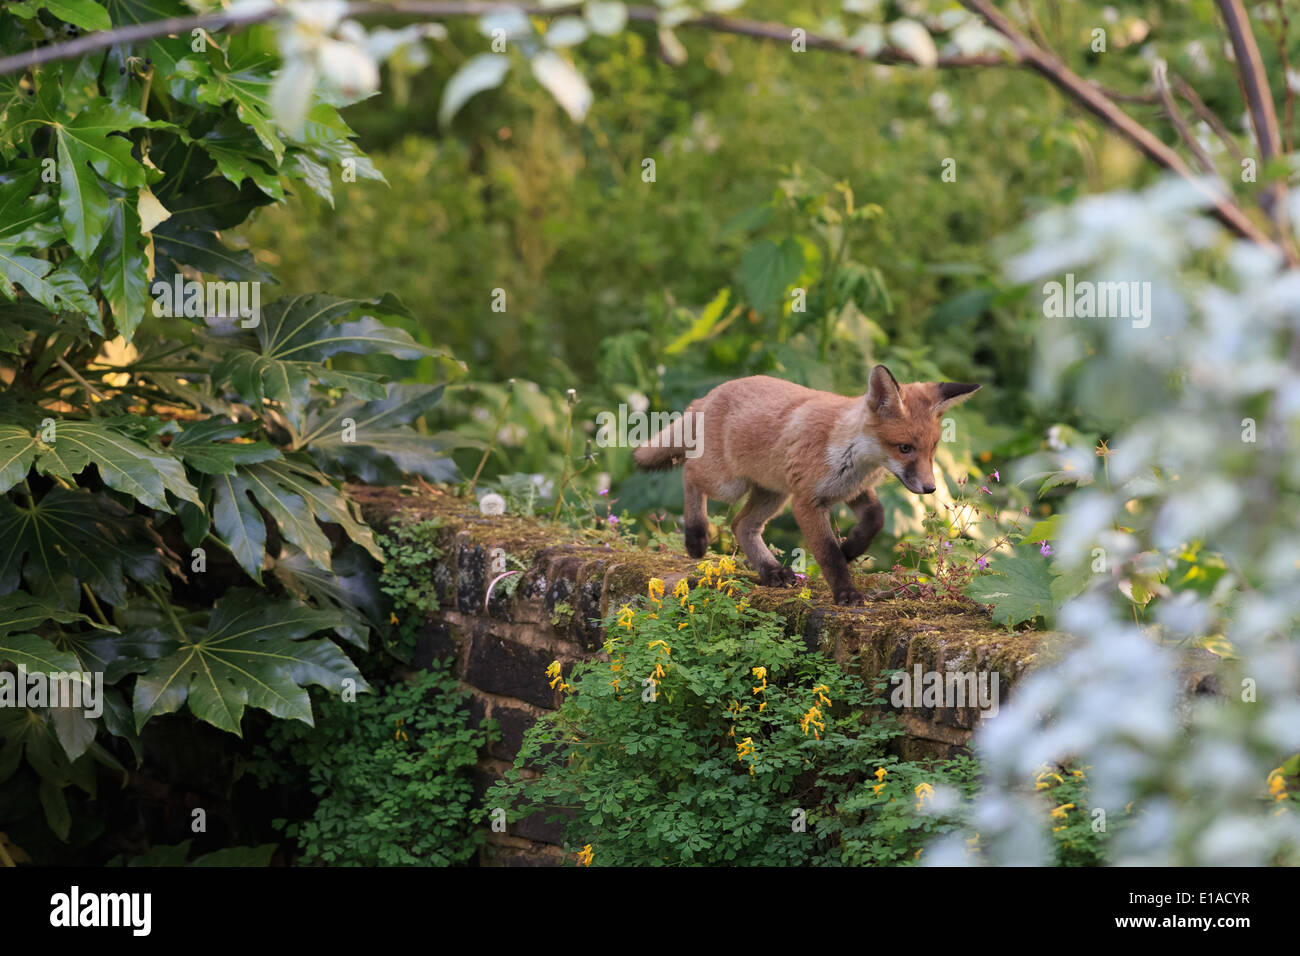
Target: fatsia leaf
<point>205,446</point>
<point>251,655</point>
<point>126,465</point>
<point>380,446</point>
<point>351,588</point>
<point>296,334</point>
<point>68,538</point>
<point>36,654</point>
<point>238,523</point>
<point>18,448</point>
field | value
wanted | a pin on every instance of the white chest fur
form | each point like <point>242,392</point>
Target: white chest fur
<point>851,466</point>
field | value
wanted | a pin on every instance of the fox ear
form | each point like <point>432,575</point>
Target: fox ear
<point>883,396</point>
<point>952,393</point>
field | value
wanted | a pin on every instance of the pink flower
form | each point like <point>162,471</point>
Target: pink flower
<point>604,491</point>
<point>985,489</point>
<point>996,476</point>
<point>1045,550</point>
<point>612,520</point>
<point>982,563</point>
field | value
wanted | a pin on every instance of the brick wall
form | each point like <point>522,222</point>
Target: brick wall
<point>502,642</point>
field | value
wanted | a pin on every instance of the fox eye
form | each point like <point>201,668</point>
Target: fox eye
<point>906,449</point>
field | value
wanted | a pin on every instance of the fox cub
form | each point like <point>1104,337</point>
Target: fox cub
<point>775,440</point>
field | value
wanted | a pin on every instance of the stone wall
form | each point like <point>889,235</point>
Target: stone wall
<point>503,642</point>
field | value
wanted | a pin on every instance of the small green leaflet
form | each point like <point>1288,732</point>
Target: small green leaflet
<point>767,269</point>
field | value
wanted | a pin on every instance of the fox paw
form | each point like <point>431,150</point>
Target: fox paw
<point>849,596</point>
<point>777,578</point>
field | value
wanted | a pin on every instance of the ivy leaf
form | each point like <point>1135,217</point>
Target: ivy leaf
<point>123,270</point>
<point>1019,587</point>
<point>246,82</point>
<point>88,148</point>
<point>235,150</point>
<point>251,655</point>
<point>80,13</point>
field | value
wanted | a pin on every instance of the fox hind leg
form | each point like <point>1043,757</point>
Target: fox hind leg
<point>696,514</point>
<point>760,508</point>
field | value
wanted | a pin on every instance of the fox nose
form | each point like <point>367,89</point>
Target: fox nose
<point>927,489</point>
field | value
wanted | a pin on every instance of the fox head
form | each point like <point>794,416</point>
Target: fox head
<point>906,420</point>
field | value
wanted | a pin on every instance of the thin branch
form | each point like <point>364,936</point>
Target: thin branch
<point>81,381</point>
<point>1224,207</point>
<point>1160,75</point>
<point>215,22</point>
<point>1211,118</point>
<point>1259,102</point>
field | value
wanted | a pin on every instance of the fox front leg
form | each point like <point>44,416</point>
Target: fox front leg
<point>871,518</point>
<point>815,523</point>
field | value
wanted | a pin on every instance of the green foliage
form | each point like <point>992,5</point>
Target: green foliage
<point>409,551</point>
<point>392,771</point>
<point>709,737</point>
<point>166,436</point>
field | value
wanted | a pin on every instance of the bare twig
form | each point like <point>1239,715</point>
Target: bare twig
<point>1160,75</point>
<point>1184,89</point>
<point>1259,103</point>
<point>1223,206</point>
<point>176,26</point>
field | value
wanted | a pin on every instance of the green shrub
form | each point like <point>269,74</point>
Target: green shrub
<point>392,771</point>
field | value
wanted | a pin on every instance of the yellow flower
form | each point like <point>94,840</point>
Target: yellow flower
<point>682,589</point>
<point>659,670</point>
<point>877,788</point>
<point>1277,784</point>
<point>587,855</point>
<point>726,564</point>
<point>759,672</point>
<point>392,618</point>
<point>761,706</point>
<point>821,690</point>
<point>656,589</point>
<point>400,734</point>
<point>745,748</point>
<point>682,625</point>
<point>805,594</point>
<point>881,773</point>
<point>625,615</point>
<point>1059,812</point>
<point>923,792</point>
<point>553,672</point>
<point>667,650</point>
<point>810,719</point>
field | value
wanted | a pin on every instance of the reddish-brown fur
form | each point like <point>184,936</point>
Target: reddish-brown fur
<point>773,440</point>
